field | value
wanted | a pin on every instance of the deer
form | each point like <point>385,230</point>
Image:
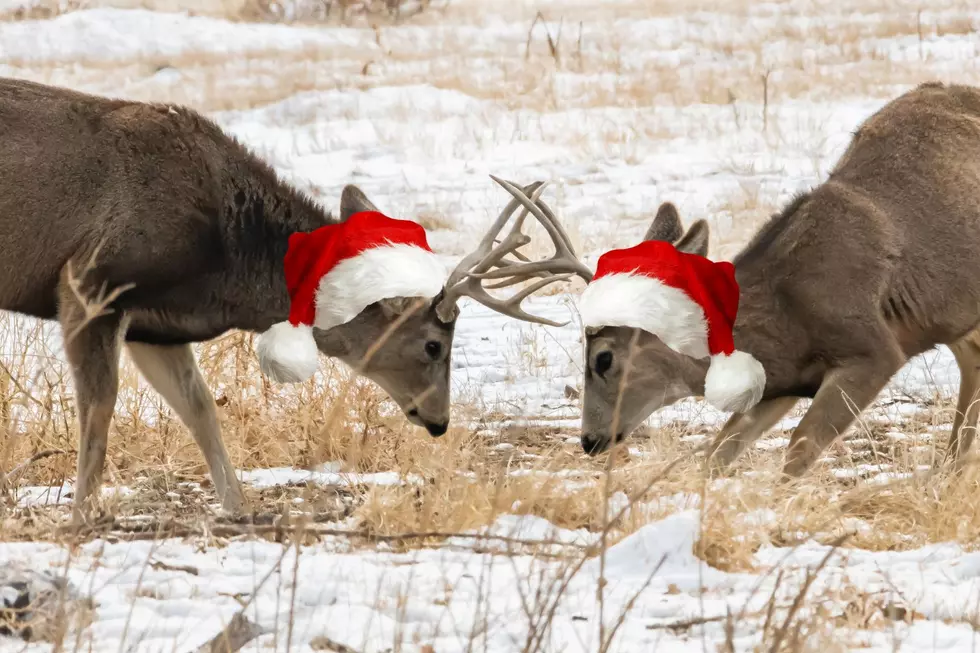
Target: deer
<point>833,295</point>
<point>147,225</point>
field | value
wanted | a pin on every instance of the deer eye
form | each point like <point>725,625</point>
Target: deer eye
<point>433,349</point>
<point>603,362</point>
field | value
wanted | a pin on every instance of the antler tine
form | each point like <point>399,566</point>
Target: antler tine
<point>547,220</point>
<point>490,261</point>
<point>472,260</point>
<point>487,256</point>
<point>512,305</point>
<point>511,244</point>
<point>564,260</point>
<point>556,223</point>
<point>506,264</point>
<point>520,257</point>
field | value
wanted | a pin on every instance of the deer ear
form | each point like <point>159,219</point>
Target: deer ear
<point>695,241</point>
<point>394,307</point>
<point>666,225</point>
<point>353,200</point>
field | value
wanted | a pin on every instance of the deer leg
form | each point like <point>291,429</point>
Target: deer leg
<point>92,349</point>
<point>967,354</point>
<point>844,393</point>
<point>174,374</point>
<point>742,429</point>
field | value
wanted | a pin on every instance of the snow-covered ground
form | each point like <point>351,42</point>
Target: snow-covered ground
<point>646,105</point>
<point>173,596</point>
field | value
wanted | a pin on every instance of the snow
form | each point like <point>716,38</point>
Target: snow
<point>325,476</point>
<point>419,128</point>
<point>443,597</point>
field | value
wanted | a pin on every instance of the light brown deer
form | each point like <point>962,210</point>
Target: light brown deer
<point>879,263</point>
<point>175,233</point>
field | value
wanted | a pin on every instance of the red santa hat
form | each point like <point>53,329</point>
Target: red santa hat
<point>689,302</point>
<point>334,273</point>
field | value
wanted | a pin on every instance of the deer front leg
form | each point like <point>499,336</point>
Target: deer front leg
<point>173,373</point>
<point>92,348</point>
<point>844,393</point>
<point>967,354</point>
<point>742,429</point>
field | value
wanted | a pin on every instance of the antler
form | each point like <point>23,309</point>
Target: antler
<point>488,261</point>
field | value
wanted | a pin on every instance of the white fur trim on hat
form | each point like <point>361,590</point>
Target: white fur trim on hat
<point>735,383</point>
<point>287,353</point>
<point>641,302</point>
<point>375,274</point>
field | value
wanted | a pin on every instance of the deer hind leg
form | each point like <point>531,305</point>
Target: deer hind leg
<point>92,348</point>
<point>845,392</point>
<point>967,354</point>
<point>173,373</point>
<point>742,429</point>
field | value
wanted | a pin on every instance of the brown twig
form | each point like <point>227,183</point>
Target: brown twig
<point>765,100</point>
<point>16,472</point>
<point>628,608</point>
<point>239,632</point>
<point>918,28</point>
<point>149,531</point>
<point>554,44</point>
<point>798,601</point>
<point>732,103</point>
<point>157,565</point>
<point>98,306</point>
<point>17,385</point>
<point>324,643</point>
<point>530,34</point>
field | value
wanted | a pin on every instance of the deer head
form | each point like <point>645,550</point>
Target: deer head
<point>404,343</point>
<point>630,372</point>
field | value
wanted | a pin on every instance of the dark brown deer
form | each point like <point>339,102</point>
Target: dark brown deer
<point>146,223</point>
<point>879,263</point>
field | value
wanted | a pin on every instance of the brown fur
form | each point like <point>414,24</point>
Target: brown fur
<point>98,193</point>
<point>876,265</point>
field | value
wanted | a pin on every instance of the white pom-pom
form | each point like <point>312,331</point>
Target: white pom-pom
<point>734,383</point>
<point>287,353</point>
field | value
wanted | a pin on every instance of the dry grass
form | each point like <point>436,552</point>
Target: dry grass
<point>465,480</point>
<point>342,12</point>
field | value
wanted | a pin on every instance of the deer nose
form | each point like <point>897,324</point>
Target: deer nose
<point>435,430</point>
<point>594,444</point>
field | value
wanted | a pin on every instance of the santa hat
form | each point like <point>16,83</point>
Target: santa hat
<point>334,273</point>
<point>689,302</point>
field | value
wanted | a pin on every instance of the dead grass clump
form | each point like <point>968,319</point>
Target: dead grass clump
<point>928,508</point>
<point>39,9</point>
<point>334,417</point>
<point>434,221</point>
<point>469,486</point>
<point>329,11</point>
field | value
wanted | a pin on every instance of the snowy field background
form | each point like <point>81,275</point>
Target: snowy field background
<point>726,110</point>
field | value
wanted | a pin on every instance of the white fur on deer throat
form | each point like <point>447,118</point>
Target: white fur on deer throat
<point>288,353</point>
<point>641,302</point>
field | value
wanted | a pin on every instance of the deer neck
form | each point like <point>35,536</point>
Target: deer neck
<point>261,213</point>
<point>765,329</point>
